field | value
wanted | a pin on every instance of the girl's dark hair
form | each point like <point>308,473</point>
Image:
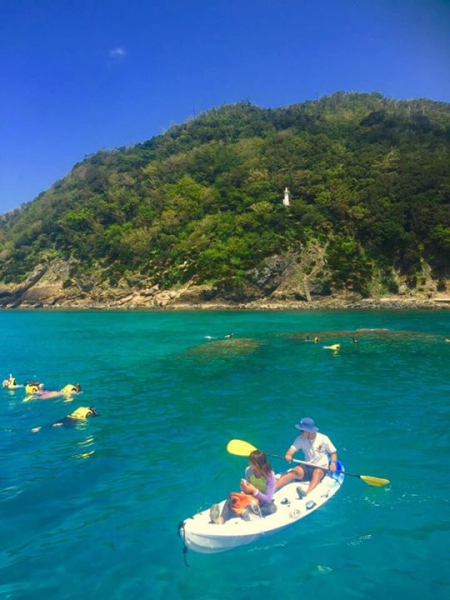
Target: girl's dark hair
<point>258,458</point>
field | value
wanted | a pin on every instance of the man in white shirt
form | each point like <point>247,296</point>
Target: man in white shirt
<point>318,450</point>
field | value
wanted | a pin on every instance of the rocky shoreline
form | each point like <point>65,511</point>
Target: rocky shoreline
<point>168,300</point>
<point>324,305</point>
<point>51,289</point>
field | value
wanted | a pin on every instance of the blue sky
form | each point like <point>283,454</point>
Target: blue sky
<point>77,76</point>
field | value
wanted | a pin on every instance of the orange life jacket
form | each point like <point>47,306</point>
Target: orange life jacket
<point>240,501</point>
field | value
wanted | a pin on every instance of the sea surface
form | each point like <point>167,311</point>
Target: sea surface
<point>93,511</point>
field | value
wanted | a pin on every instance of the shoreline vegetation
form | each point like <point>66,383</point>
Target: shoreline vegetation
<point>47,288</point>
<point>46,296</point>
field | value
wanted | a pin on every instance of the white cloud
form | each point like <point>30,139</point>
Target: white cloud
<point>118,52</point>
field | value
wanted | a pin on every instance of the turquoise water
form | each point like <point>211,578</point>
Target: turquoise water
<point>92,512</point>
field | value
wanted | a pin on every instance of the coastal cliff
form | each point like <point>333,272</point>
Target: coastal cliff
<point>287,288</point>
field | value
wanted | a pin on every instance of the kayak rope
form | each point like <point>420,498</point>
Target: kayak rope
<point>182,534</point>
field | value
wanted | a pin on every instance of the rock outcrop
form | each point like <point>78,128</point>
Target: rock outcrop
<point>281,283</point>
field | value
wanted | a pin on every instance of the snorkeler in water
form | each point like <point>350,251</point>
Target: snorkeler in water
<point>35,392</point>
<point>33,387</point>
<point>78,416</point>
<point>10,383</point>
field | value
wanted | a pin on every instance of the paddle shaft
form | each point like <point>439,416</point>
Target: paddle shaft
<point>303,462</point>
<point>242,448</point>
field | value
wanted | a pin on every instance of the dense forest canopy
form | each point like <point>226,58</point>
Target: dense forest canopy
<point>369,179</point>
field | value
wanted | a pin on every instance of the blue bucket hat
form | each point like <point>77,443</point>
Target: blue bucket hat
<point>307,424</point>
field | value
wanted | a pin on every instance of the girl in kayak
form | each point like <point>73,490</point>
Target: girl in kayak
<point>256,494</point>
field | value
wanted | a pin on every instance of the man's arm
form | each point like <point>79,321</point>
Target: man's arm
<point>290,453</point>
<point>333,461</point>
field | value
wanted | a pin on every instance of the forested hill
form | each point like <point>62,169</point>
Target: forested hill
<point>369,179</point>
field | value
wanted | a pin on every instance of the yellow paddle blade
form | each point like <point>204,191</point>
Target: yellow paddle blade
<point>375,481</point>
<point>239,447</point>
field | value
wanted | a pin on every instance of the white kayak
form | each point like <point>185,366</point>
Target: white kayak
<point>201,535</point>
